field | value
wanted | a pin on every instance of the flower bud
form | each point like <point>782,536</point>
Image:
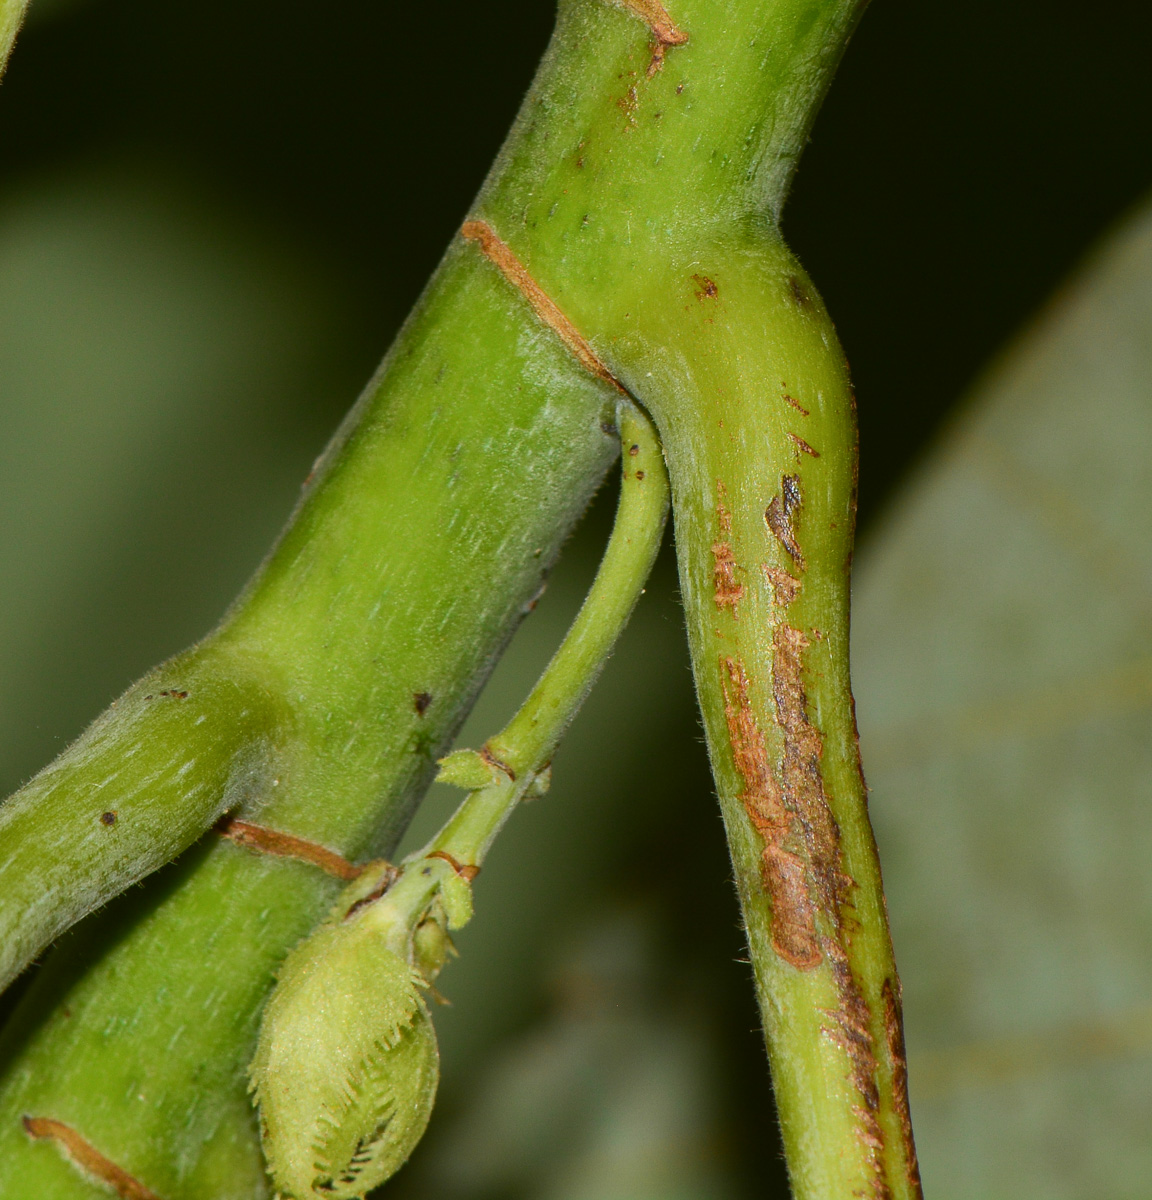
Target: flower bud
<point>346,1066</point>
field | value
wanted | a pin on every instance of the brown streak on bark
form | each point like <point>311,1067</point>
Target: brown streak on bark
<point>723,514</point>
<point>781,514</point>
<point>802,446</point>
<point>793,919</point>
<point>496,763</point>
<point>728,592</point>
<point>88,1158</point>
<point>785,587</point>
<point>501,254</point>
<point>284,845</point>
<point>894,1034</point>
<point>466,871</point>
<point>656,17</point>
<point>803,791</point>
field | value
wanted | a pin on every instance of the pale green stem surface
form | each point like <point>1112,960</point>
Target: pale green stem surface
<point>643,197</point>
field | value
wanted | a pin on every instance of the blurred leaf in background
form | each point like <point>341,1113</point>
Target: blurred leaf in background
<point>1002,657</point>
<point>159,372</point>
<point>612,1095</point>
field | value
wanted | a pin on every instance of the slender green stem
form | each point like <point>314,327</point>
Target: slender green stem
<point>524,748</point>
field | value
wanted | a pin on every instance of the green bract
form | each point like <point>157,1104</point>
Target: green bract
<point>346,1067</point>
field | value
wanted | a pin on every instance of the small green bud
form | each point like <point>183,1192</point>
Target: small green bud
<point>468,769</point>
<point>346,1066</point>
<point>456,897</point>
<point>431,945</point>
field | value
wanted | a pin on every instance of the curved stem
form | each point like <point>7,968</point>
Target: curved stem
<point>524,748</point>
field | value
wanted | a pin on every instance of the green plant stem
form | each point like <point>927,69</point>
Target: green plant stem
<point>524,748</point>
<point>640,188</point>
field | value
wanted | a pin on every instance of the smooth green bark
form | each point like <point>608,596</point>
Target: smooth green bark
<point>641,190</point>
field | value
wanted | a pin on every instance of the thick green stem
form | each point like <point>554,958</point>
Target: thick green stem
<point>640,190</point>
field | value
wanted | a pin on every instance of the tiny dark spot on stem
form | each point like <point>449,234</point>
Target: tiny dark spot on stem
<point>633,450</point>
<point>708,289</point>
<point>798,293</point>
<point>639,474</point>
<point>420,702</point>
<point>679,89</point>
<point>108,818</point>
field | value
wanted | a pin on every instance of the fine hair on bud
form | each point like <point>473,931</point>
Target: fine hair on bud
<point>346,1066</point>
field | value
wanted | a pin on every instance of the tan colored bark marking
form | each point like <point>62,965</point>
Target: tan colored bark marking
<point>894,1034</point>
<point>793,920</point>
<point>781,515</point>
<point>785,587</point>
<point>88,1158</point>
<point>516,273</point>
<point>723,513</point>
<point>802,447</point>
<point>466,871</point>
<point>656,17</point>
<point>664,32</point>
<point>728,592</point>
<point>284,845</point>
<point>802,787</point>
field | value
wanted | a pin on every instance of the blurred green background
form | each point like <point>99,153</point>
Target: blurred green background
<point>209,232</point>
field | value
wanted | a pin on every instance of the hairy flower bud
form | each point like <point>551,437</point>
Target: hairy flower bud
<point>346,1067</point>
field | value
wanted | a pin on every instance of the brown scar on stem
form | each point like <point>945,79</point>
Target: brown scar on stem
<point>796,405</point>
<point>894,1036</point>
<point>500,253</point>
<point>284,845</point>
<point>664,32</point>
<point>785,587</point>
<point>782,871</point>
<point>493,761</point>
<point>802,446</point>
<point>802,787</point>
<point>421,701</point>
<point>88,1158</point>
<point>728,593</point>
<point>723,512</point>
<point>466,871</point>
<point>629,103</point>
<point>781,516</point>
<point>707,288</point>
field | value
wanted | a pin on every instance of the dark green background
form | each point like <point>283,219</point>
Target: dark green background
<point>966,157</point>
